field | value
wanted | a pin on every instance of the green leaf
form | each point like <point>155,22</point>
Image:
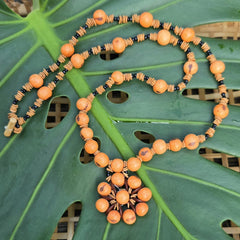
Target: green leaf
<point>40,172</point>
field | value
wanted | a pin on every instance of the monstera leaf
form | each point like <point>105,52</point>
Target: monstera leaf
<point>41,174</point>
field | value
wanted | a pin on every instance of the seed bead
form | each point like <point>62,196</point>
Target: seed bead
<point>134,164</point>
<point>102,205</point>
<point>117,165</point>
<point>67,50</point>
<point>141,209</point>
<point>83,104</point>
<point>146,19</point>
<point>129,216</point>
<point>86,133</point>
<point>91,146</point>
<point>118,45</point>
<point>104,189</point>
<point>117,77</point>
<point>190,67</point>
<point>145,154</point>
<point>221,110</point>
<point>99,17</point>
<point>160,86</point>
<point>191,141</point>
<point>113,217</point>
<point>134,182</point>
<point>44,93</point>
<point>122,197</point>
<point>187,34</point>
<point>82,119</point>
<point>163,37</point>
<point>175,145</point>
<point>101,159</point>
<point>217,67</point>
<point>118,179</point>
<point>35,80</point>
<point>159,146</point>
<point>77,60</point>
<point>144,194</point>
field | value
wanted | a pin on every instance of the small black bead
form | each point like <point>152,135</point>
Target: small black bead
<point>220,83</point>
<point>161,25</point>
<point>223,95</point>
<point>105,86</point>
<point>23,90</point>
<point>95,93</point>
<point>147,36</point>
<point>103,48</point>
<point>85,27</point>
<point>214,126</point>
<point>116,19</point>
<point>17,125</point>
<point>206,136</point>
<point>134,75</point>
<point>15,101</point>
<point>146,77</point>
<point>76,35</point>
<point>64,70</point>
<point>188,50</point>
<point>108,174</point>
<point>48,70</point>
<point>208,52</point>
<point>172,28</point>
<point>34,107</point>
<point>58,63</point>
<point>90,51</point>
<point>129,19</point>
<point>185,81</point>
<point>201,43</point>
<point>134,38</point>
<point>55,80</point>
<point>176,88</point>
<point>26,117</point>
<point>179,42</point>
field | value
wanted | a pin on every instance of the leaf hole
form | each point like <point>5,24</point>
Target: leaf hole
<point>117,97</point>
<point>108,56</point>
<point>86,157</point>
<point>231,228</point>
<point>68,222</point>
<point>58,109</point>
<point>144,136</point>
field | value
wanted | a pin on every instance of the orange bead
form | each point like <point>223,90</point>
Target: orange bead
<point>77,60</point>
<point>113,217</point>
<point>117,165</point>
<point>146,19</point>
<point>175,145</point>
<point>141,209</point>
<point>191,141</point>
<point>118,179</point>
<point>101,160</point>
<point>134,182</point>
<point>102,205</point>
<point>86,133</point>
<point>221,110</point>
<point>163,37</point>
<point>145,154</point>
<point>122,196</point>
<point>129,216</point>
<point>104,189</point>
<point>190,67</point>
<point>99,17</point>
<point>160,86</point>
<point>118,45</point>
<point>144,194</point>
<point>187,34</point>
<point>159,146</point>
<point>217,67</point>
<point>133,164</point>
<point>83,104</point>
<point>35,80</point>
<point>117,77</point>
<point>67,50</point>
<point>82,119</point>
<point>44,93</point>
<point>91,146</point>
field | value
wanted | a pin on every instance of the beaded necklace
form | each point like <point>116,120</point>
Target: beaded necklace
<point>123,195</point>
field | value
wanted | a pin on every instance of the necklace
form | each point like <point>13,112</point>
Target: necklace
<point>123,195</point>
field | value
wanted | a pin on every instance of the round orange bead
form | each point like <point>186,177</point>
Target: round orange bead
<point>86,133</point>
<point>129,216</point>
<point>99,17</point>
<point>104,189</point>
<point>117,165</point>
<point>133,164</point>
<point>146,19</point>
<point>118,45</point>
<point>191,141</point>
<point>113,217</point>
<point>83,104</point>
<point>118,179</point>
<point>141,209</point>
<point>134,182</point>
<point>101,160</point>
<point>82,119</point>
<point>190,67</point>
<point>102,205</point>
<point>221,110</point>
<point>117,77</point>
<point>91,146</point>
<point>44,93</point>
<point>35,80</point>
<point>77,60</point>
<point>159,146</point>
<point>175,145</point>
<point>187,34</point>
<point>67,50</point>
<point>160,86</point>
<point>145,154</point>
<point>122,196</point>
<point>163,37</point>
<point>144,194</point>
<point>217,67</point>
